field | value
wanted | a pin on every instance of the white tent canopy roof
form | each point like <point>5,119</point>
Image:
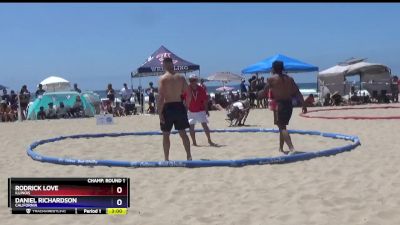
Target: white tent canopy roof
<point>351,69</point>
<point>53,80</point>
<point>53,84</point>
<point>372,77</point>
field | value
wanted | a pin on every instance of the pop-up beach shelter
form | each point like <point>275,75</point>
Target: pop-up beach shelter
<point>291,65</point>
<point>67,97</point>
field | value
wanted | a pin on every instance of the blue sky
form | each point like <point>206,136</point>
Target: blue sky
<point>96,44</point>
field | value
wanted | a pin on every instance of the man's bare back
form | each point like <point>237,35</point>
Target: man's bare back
<point>172,87</point>
<point>282,87</point>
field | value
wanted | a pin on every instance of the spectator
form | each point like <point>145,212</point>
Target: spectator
<point>6,97</point>
<point>328,100</point>
<point>77,107</point>
<point>13,100</point>
<point>395,89</point>
<point>260,86</point>
<point>309,102</point>
<point>243,88</point>
<point>336,99</point>
<point>202,84</point>
<point>253,90</point>
<point>24,98</point>
<point>41,115</point>
<point>110,93</point>
<point>76,88</point>
<point>51,112</point>
<point>62,111</point>
<point>151,93</point>
<point>39,91</point>
<point>5,112</point>
<point>119,110</point>
<point>126,94</point>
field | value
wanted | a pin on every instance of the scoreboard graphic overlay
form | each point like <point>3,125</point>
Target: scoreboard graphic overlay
<point>96,195</point>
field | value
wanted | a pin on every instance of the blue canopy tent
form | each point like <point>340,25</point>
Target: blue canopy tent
<point>2,87</point>
<point>291,65</point>
<point>153,66</point>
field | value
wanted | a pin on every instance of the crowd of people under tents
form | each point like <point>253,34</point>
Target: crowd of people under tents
<point>219,101</point>
<point>357,97</point>
<point>9,106</point>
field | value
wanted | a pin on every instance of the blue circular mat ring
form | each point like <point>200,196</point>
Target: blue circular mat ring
<point>195,163</point>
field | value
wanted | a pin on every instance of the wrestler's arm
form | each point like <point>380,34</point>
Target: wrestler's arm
<point>161,100</point>
<point>299,96</point>
<point>206,103</point>
<point>186,89</point>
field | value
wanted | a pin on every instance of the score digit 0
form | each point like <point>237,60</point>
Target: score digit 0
<point>119,190</point>
<point>119,202</point>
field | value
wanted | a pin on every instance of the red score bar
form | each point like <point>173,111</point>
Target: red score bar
<point>92,190</point>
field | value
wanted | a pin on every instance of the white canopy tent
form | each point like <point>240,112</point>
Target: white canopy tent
<point>53,84</point>
<point>373,77</point>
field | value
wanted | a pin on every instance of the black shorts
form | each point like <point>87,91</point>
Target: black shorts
<point>152,99</point>
<point>253,95</point>
<point>174,113</point>
<point>283,113</point>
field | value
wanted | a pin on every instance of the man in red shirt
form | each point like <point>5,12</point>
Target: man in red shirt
<point>198,108</point>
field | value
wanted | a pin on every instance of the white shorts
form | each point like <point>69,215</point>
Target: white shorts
<point>195,117</point>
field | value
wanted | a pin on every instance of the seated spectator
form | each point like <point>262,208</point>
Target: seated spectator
<point>107,107</point>
<point>365,99</point>
<point>119,110</point>
<point>328,100</point>
<point>353,95</point>
<point>41,115</point>
<point>77,107</point>
<point>51,112</point>
<point>62,111</point>
<point>309,101</point>
<point>383,98</point>
<point>151,108</point>
<point>215,105</point>
<point>337,99</point>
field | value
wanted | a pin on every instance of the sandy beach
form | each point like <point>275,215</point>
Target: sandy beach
<point>357,187</point>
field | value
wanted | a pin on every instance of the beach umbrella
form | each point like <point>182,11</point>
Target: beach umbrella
<point>53,83</point>
<point>224,77</point>
<point>225,88</point>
